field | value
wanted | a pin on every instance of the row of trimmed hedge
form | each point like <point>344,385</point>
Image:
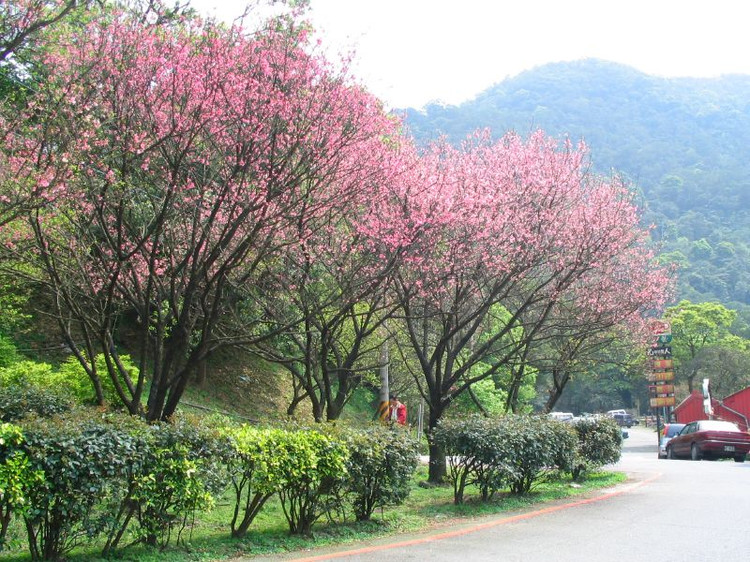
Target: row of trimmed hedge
<point>517,452</point>
<point>83,476</point>
<point>73,475</point>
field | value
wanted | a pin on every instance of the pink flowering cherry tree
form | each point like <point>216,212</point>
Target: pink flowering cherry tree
<point>176,160</point>
<point>511,229</point>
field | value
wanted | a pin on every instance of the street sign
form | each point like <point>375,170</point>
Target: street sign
<point>658,389</point>
<point>661,363</point>
<point>660,351</point>
<point>656,376</point>
<point>661,402</point>
<point>664,338</point>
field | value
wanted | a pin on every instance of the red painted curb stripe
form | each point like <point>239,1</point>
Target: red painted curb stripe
<point>478,527</point>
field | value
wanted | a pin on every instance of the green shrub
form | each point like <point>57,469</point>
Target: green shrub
<point>70,379</point>
<point>179,475</point>
<point>19,400</point>
<point>171,471</point>
<point>513,451</point>
<point>252,470</point>
<point>30,388</point>
<point>531,448</point>
<point>381,463</point>
<point>28,372</point>
<point>167,494</point>
<point>82,461</point>
<point>311,471</point>
<point>17,478</point>
<point>206,445</point>
<point>599,442</point>
<point>470,445</point>
<point>565,441</point>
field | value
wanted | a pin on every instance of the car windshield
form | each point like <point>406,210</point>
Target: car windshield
<point>673,429</point>
<point>715,425</point>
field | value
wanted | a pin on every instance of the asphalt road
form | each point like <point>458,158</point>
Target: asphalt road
<point>667,511</point>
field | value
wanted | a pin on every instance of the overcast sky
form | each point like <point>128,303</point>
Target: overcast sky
<point>411,52</point>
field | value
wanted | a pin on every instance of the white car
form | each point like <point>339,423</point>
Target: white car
<point>612,413</point>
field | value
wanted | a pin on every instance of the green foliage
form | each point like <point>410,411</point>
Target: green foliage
<point>381,463</point>
<point>83,462</point>
<point>17,477</point>
<point>70,379</point>
<point>167,493</point>
<point>487,393</point>
<point>14,296</point>
<point>33,373</point>
<point>8,353</point>
<point>181,472</point>
<point>469,445</point>
<point>100,473</point>
<point>530,447</point>
<point>599,443</point>
<point>32,388</point>
<point>515,451</point>
<point>252,466</point>
<point>727,366</point>
<point>73,377</point>
<point>695,327</point>
<point>311,471</point>
<point>19,400</point>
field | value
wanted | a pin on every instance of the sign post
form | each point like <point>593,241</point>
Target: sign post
<point>661,372</point>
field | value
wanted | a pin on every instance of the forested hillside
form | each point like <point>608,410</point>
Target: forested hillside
<point>683,143</point>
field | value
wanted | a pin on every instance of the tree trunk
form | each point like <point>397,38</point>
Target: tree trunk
<point>517,376</point>
<point>690,379</point>
<point>560,378</point>
<point>437,468</point>
<point>201,371</point>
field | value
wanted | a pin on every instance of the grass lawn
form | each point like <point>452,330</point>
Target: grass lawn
<point>425,508</point>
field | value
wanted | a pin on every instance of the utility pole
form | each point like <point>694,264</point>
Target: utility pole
<point>384,391</point>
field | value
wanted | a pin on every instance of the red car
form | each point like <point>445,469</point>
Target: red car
<point>709,439</point>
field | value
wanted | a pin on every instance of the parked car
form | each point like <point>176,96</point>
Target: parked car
<point>562,416</point>
<point>623,418</point>
<point>665,436</point>
<point>709,439</point>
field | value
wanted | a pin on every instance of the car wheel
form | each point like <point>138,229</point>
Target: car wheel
<point>695,453</point>
<point>741,458</point>
<point>670,454</point>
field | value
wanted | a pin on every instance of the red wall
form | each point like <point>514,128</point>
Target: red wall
<point>731,408</point>
<point>690,409</point>
<point>740,403</point>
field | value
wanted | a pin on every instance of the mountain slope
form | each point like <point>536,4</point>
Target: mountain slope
<point>684,143</point>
